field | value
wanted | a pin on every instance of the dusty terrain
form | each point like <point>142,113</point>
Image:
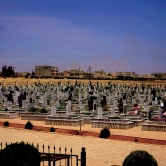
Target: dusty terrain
<point>25,81</point>
<point>105,152</point>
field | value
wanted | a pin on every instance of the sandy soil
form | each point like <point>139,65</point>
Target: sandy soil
<point>25,81</point>
<point>105,152</point>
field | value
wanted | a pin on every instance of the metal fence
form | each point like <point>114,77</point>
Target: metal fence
<point>56,156</point>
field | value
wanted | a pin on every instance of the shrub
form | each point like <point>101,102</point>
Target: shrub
<point>73,116</point>
<point>87,113</point>
<point>20,154</point>
<point>114,117</point>
<point>33,109</point>
<point>28,125</point>
<point>104,133</point>
<point>43,110</point>
<point>6,123</point>
<point>139,158</point>
<point>52,129</point>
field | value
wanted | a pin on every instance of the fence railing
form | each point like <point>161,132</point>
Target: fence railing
<point>56,156</point>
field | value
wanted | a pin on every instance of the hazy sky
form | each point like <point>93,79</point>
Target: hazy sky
<point>110,35</point>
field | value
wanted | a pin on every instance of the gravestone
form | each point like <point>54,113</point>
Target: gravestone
<point>15,99</point>
<point>5,101</point>
<point>24,103</point>
<point>28,106</point>
<point>112,110</point>
<point>9,105</point>
<point>156,102</point>
<point>36,102</point>
<point>153,103</point>
<point>53,110</point>
<point>57,104</point>
<point>145,106</point>
<point>99,112</point>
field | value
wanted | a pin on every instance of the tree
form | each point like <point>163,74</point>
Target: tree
<point>7,71</point>
<point>20,154</point>
<point>140,158</point>
<point>33,73</point>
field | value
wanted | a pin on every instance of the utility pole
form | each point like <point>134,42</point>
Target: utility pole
<point>89,72</point>
<point>79,72</point>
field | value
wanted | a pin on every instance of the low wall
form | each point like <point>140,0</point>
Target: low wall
<point>33,117</point>
<point>113,125</point>
<point>8,115</point>
<point>154,126</point>
<point>64,122</point>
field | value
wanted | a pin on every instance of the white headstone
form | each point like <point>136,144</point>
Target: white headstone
<point>145,106</point>
<point>99,112</point>
<point>69,105</point>
<point>153,103</point>
<point>36,102</point>
<point>5,101</point>
<point>24,104</point>
<point>156,102</point>
<point>57,104</point>
<point>112,110</point>
<point>53,110</point>
<point>9,105</point>
<point>15,98</point>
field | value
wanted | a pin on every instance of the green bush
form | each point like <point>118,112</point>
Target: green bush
<point>43,110</point>
<point>52,129</point>
<point>6,123</point>
<point>104,133</point>
<point>114,117</point>
<point>139,158</point>
<point>29,125</point>
<point>20,154</point>
<point>73,116</point>
<point>33,109</point>
<point>87,113</point>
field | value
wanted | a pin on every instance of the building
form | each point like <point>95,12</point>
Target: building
<point>46,71</point>
<point>112,76</point>
<point>64,73</point>
<point>126,74</point>
<point>159,75</point>
<point>148,76</point>
<point>100,74</point>
<point>163,76</point>
<point>74,72</point>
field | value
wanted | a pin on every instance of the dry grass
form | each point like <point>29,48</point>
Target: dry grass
<point>25,81</point>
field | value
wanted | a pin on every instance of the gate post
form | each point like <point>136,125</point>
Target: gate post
<point>83,157</point>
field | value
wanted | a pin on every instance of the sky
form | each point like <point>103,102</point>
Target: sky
<point>109,35</point>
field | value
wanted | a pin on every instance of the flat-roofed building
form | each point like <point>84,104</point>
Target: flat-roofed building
<point>126,74</point>
<point>150,76</point>
<point>100,74</point>
<point>46,71</point>
<point>64,73</point>
<point>163,76</point>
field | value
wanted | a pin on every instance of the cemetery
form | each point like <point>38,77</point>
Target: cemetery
<point>76,103</point>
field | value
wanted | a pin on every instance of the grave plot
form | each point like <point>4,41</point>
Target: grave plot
<point>84,103</point>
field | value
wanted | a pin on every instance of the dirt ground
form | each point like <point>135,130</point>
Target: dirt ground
<point>26,81</point>
<point>105,152</point>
